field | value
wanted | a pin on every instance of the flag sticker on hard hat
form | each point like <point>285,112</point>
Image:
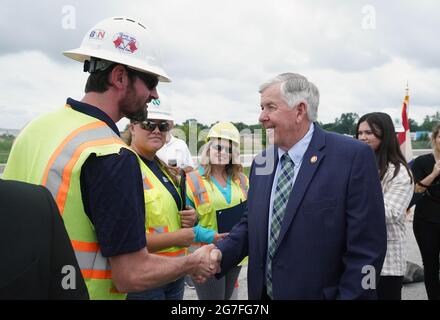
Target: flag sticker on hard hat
<point>125,42</point>
<point>97,34</point>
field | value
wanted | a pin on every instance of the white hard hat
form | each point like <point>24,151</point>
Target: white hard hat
<point>160,109</point>
<point>121,40</point>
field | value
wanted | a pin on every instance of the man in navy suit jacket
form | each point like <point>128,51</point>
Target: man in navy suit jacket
<point>332,240</point>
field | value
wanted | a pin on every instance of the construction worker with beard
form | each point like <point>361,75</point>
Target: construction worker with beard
<point>94,177</point>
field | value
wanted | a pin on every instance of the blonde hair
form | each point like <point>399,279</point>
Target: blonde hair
<point>233,168</point>
<point>126,135</point>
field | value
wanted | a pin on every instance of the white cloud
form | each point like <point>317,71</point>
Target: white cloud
<point>219,52</point>
<point>34,85</point>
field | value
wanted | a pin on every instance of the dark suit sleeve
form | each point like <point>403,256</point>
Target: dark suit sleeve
<point>65,283</point>
<point>366,229</point>
<point>236,245</point>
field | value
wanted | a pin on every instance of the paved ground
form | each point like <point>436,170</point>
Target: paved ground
<point>413,291</point>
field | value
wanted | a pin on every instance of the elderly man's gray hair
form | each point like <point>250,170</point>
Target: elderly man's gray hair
<point>295,88</point>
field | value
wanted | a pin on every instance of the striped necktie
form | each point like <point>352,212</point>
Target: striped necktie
<point>281,196</point>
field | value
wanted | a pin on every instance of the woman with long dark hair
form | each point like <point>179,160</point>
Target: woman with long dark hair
<point>377,130</point>
<point>426,170</point>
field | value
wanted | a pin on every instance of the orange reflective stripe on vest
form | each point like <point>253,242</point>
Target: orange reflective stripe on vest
<point>147,184</point>
<point>90,260</point>
<point>85,246</point>
<point>60,148</point>
<point>97,274</point>
<point>158,229</point>
<point>67,155</point>
<point>178,253</point>
<point>197,188</point>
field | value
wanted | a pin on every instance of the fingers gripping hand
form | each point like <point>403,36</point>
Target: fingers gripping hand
<point>207,261</point>
<point>188,217</point>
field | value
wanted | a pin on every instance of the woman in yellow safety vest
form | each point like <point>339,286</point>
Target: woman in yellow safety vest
<point>169,222</point>
<point>218,184</point>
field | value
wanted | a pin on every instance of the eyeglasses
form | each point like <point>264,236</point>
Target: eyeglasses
<point>219,148</point>
<point>151,126</point>
<point>149,80</point>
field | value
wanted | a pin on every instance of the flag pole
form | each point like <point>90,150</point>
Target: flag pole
<point>405,136</point>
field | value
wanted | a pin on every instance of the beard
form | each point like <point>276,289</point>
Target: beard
<point>132,106</point>
<point>138,116</point>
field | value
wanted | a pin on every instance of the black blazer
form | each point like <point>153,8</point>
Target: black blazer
<point>35,247</point>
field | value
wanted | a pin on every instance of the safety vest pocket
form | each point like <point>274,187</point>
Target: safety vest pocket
<point>207,217</point>
<point>154,215</point>
<point>204,209</point>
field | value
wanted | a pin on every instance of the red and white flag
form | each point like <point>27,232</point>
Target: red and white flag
<point>404,136</point>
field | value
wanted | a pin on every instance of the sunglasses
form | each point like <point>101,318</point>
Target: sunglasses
<point>151,126</point>
<point>219,148</point>
<point>149,80</point>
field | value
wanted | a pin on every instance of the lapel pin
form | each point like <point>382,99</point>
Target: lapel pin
<point>313,159</point>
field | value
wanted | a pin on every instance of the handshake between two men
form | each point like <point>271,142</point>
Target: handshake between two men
<point>206,261</point>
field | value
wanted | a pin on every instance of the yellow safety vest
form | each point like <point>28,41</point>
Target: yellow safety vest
<point>51,151</point>
<point>161,212</point>
<point>207,199</point>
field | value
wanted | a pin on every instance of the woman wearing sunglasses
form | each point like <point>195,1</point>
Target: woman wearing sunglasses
<point>218,184</point>
<point>377,130</point>
<point>168,221</point>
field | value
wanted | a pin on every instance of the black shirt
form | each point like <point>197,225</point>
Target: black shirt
<point>112,194</point>
<point>428,207</point>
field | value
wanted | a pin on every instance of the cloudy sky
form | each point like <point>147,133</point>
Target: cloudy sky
<point>360,54</point>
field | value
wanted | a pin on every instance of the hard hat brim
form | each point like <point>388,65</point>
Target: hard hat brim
<point>81,55</point>
<point>219,136</point>
<point>159,116</point>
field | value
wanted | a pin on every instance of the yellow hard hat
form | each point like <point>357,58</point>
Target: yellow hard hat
<point>224,130</point>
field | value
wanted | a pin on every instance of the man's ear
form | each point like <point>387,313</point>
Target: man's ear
<point>131,128</point>
<point>118,77</point>
<point>301,110</point>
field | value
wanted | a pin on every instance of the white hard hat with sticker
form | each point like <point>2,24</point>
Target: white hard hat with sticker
<point>121,40</point>
<point>160,109</point>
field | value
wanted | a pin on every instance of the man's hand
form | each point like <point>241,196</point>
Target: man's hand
<point>208,258</point>
<point>215,257</point>
<point>188,217</point>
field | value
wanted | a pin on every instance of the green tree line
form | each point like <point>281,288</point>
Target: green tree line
<point>5,146</point>
<point>345,124</point>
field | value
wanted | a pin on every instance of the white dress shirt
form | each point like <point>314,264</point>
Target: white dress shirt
<point>296,153</point>
<point>176,149</point>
